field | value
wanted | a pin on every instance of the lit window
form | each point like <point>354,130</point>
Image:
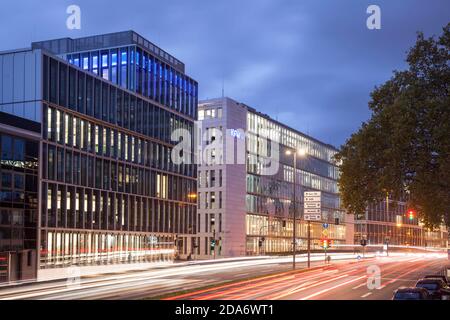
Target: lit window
<point>95,62</point>
<point>85,63</point>
<point>104,60</point>
<point>124,58</point>
<point>49,122</point>
<point>114,59</point>
<point>201,114</point>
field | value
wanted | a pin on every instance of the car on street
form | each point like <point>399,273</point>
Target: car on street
<point>432,276</point>
<point>436,287</point>
<point>411,294</point>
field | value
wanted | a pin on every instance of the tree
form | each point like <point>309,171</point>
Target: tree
<point>404,149</point>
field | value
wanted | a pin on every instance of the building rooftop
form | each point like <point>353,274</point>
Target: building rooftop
<point>104,41</point>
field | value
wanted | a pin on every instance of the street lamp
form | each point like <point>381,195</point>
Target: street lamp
<point>301,153</point>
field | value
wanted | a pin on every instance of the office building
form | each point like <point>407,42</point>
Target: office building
<point>243,210</point>
<point>394,223</point>
<point>85,148</point>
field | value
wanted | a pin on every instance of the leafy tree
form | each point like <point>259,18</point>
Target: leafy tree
<point>404,149</point>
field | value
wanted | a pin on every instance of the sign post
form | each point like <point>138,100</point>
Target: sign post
<point>312,205</point>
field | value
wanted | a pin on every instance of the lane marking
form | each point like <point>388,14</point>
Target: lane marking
<point>331,288</point>
<point>359,285</point>
<point>366,295</point>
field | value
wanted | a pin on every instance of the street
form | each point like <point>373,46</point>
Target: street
<point>341,281</point>
<point>235,280</point>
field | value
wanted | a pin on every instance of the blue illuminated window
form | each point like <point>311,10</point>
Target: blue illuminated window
<point>95,62</point>
<point>114,59</point>
<point>124,58</point>
<point>76,62</point>
<point>104,60</point>
<point>137,58</point>
<point>86,63</point>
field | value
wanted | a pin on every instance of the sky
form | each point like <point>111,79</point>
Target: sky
<point>308,63</point>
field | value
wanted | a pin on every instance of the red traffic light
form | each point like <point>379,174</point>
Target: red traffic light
<point>325,243</point>
<point>411,214</point>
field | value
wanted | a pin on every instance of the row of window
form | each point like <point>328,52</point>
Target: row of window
<point>279,227</point>
<point>267,128</point>
<point>210,222</point>
<point>210,178</point>
<point>210,113</point>
<point>59,248</point>
<point>133,69</point>
<point>18,193</point>
<point>208,200</point>
<point>379,233</point>
<point>71,131</point>
<point>86,94</point>
<point>71,167</point>
<point>82,208</point>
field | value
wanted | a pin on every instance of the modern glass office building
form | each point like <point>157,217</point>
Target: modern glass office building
<point>244,211</point>
<point>389,221</point>
<point>104,108</point>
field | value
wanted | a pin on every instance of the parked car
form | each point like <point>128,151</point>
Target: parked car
<point>411,294</point>
<point>437,288</point>
<point>432,276</point>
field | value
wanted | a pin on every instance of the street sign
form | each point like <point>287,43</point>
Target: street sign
<point>311,205</point>
<point>312,211</point>
<point>325,225</point>
<point>312,199</point>
<point>325,232</point>
<point>312,217</point>
<point>312,194</point>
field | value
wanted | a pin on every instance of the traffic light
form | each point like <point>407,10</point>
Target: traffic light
<point>325,243</point>
<point>411,214</point>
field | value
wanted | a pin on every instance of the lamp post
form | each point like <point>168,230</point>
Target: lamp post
<point>301,152</point>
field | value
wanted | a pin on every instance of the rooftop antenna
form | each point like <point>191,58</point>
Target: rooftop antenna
<point>223,87</point>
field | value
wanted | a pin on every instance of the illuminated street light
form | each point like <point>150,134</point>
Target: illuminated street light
<point>300,153</point>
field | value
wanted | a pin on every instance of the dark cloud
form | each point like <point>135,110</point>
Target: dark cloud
<point>310,63</point>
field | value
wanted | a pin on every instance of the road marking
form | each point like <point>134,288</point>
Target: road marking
<point>334,287</point>
<point>359,286</point>
<point>366,295</point>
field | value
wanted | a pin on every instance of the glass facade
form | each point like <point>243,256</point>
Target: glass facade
<point>269,197</point>
<point>18,193</point>
<point>110,192</point>
<point>137,70</point>
<point>390,221</point>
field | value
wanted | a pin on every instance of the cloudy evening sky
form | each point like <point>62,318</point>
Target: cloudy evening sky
<point>308,63</point>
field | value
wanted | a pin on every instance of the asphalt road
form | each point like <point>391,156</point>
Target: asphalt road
<point>346,279</point>
<point>340,281</point>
